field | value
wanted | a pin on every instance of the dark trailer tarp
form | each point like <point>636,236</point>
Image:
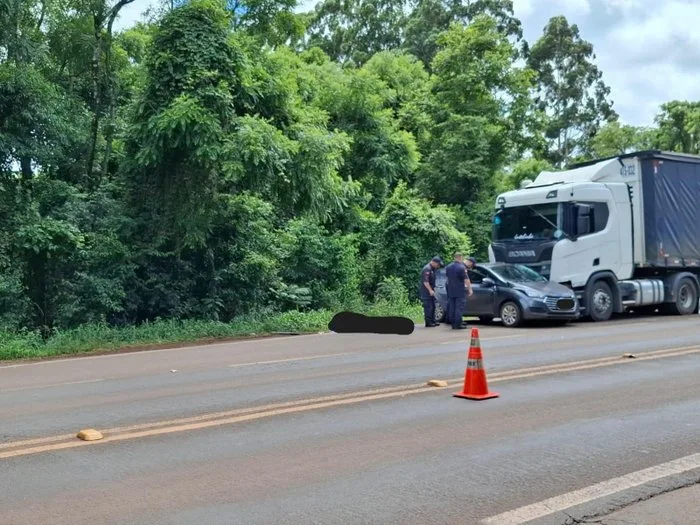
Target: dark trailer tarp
<point>671,192</point>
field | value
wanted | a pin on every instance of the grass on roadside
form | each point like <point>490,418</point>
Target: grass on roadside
<point>99,337</point>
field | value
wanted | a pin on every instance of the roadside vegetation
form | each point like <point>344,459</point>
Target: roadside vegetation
<point>213,172</point>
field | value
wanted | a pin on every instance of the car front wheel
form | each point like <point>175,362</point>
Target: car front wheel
<point>511,314</point>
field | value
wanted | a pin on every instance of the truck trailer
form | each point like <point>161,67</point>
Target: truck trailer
<point>623,232</point>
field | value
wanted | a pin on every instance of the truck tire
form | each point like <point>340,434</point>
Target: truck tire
<point>600,302</point>
<point>686,298</point>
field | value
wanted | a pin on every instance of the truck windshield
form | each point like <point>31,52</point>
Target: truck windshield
<point>522,223</point>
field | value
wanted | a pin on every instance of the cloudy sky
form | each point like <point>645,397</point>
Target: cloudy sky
<point>648,50</point>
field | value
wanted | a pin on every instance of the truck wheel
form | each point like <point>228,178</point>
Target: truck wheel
<point>686,298</point>
<point>511,315</point>
<point>599,304</point>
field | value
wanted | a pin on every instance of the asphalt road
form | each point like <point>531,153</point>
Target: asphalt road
<point>342,429</point>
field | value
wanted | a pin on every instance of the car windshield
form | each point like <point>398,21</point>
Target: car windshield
<point>523,223</point>
<point>517,273</point>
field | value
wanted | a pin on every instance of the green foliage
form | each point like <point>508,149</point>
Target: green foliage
<point>617,139</point>
<point>391,290</point>
<point>431,18</point>
<point>326,263</point>
<point>381,153</point>
<point>39,124</point>
<point>525,169</point>
<point>679,126</point>
<point>177,143</point>
<point>354,30</point>
<point>570,91</point>
<point>410,231</point>
<point>293,296</point>
<point>480,107</point>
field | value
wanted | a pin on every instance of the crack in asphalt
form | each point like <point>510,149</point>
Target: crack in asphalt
<point>599,519</point>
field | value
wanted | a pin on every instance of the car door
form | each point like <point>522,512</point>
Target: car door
<point>483,300</point>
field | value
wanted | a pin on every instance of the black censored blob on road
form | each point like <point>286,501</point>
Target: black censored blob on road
<point>352,323</point>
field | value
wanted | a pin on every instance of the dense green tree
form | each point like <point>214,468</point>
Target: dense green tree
<point>617,139</point>
<point>525,169</point>
<point>679,126</point>
<point>431,18</point>
<point>176,146</point>
<point>409,96</point>
<point>570,91</point>
<point>480,109</point>
<point>409,231</point>
<point>354,30</point>
<point>381,152</point>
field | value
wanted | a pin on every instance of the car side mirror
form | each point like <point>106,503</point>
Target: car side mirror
<point>488,283</point>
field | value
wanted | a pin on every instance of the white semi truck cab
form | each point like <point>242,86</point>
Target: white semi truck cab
<point>622,232</point>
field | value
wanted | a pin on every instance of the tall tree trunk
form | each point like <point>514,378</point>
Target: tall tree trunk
<point>36,289</point>
<point>96,97</point>
<point>109,98</point>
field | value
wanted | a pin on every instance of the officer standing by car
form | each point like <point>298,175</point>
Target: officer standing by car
<point>469,264</point>
<point>426,290</point>
<point>458,285</point>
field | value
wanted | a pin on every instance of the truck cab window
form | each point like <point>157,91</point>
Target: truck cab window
<point>592,217</point>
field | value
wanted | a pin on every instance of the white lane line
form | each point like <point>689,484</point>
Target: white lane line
<point>53,385</point>
<point>324,356</point>
<point>593,492</point>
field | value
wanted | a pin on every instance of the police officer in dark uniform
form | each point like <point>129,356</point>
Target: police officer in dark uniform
<point>457,285</point>
<point>426,290</point>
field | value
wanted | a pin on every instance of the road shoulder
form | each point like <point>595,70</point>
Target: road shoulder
<point>678,507</point>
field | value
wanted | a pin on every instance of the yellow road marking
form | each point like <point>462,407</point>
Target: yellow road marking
<point>36,446</point>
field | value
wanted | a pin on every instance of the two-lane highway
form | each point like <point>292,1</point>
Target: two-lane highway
<point>342,429</point>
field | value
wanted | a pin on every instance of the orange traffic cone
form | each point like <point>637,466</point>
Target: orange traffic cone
<point>475,384</point>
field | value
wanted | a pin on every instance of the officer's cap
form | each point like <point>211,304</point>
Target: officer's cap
<point>439,261</point>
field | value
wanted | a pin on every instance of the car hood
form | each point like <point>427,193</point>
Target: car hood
<point>546,288</point>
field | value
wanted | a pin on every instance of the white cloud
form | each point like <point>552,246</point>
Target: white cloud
<point>652,57</point>
<point>613,6</point>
